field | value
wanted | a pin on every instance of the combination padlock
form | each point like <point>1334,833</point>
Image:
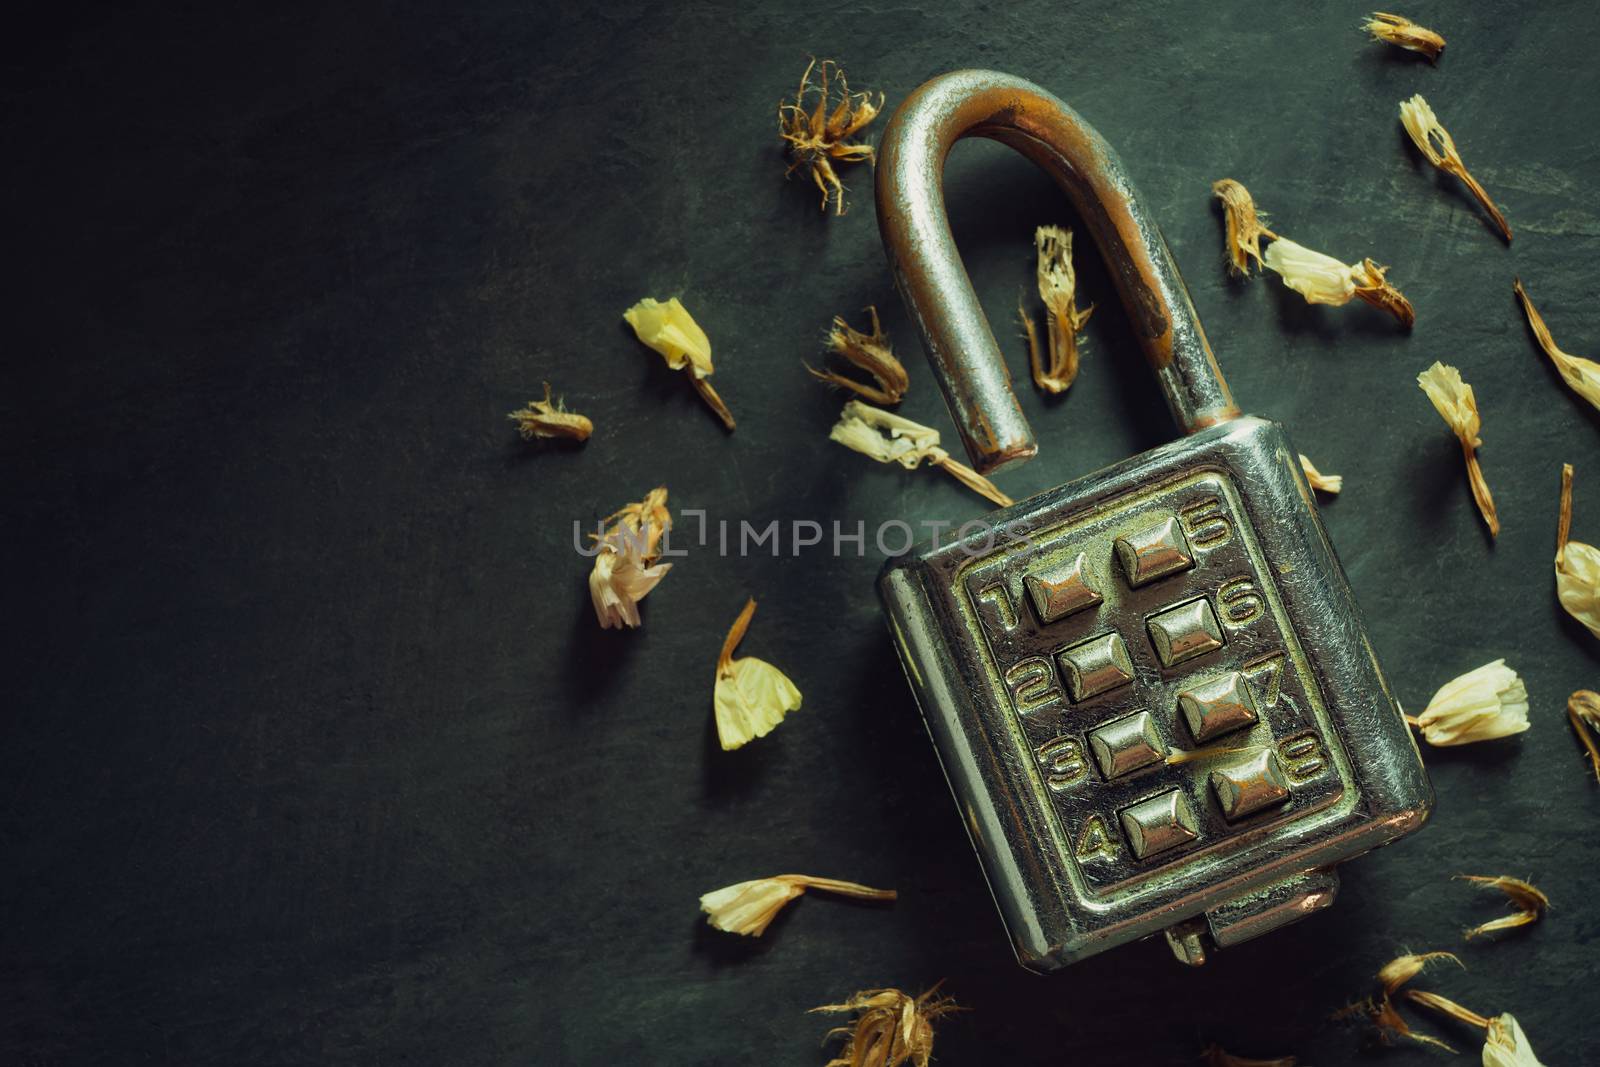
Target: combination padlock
<point>1150,689</point>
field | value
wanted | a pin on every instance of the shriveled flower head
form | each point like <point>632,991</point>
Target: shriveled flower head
<point>1481,705</point>
<point>749,907</point>
<point>1322,483</point>
<point>1245,225</point>
<point>1583,712</point>
<point>543,419</point>
<point>1321,279</point>
<point>1058,284</point>
<point>1402,32</point>
<point>750,696</point>
<point>1439,148</point>
<point>890,438</point>
<point>871,353</point>
<point>817,126</point>
<point>1453,399</point>
<point>1581,375</point>
<point>1526,900</point>
<point>1380,1010</point>
<point>625,567</point>
<point>891,1028</point>
<point>669,329</point>
<point>1505,1045</point>
<point>1577,565</point>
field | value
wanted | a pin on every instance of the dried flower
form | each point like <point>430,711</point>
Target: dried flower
<point>1446,1006</point>
<point>1577,565</point>
<point>1245,225</point>
<point>1057,288</point>
<point>541,418</point>
<point>1455,402</point>
<point>1322,483</point>
<point>1400,970</point>
<point>751,696</point>
<point>1481,705</point>
<point>1581,375</point>
<point>1401,31</point>
<point>1215,1055</point>
<point>670,330</point>
<point>1529,902</point>
<point>623,573</point>
<point>1321,279</point>
<point>1380,1010</point>
<point>870,352</point>
<point>1583,711</point>
<point>749,907</point>
<point>1439,148</point>
<point>891,1028</point>
<point>818,138</point>
<point>1506,1045</point>
<point>890,438</point>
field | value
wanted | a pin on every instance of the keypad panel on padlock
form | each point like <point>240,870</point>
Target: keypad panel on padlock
<point>1154,681</point>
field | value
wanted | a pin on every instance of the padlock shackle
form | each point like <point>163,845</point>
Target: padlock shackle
<point>928,270</point>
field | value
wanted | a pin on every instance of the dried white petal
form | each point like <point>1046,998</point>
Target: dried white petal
<point>750,696</point>
<point>749,907</point>
<point>1322,483</point>
<point>885,436</point>
<point>1481,705</point>
<point>1581,375</point>
<point>1320,279</point>
<point>1507,1046</point>
<point>620,580</point>
<point>1577,565</point>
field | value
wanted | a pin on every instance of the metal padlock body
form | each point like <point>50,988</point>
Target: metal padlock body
<point>1150,689</point>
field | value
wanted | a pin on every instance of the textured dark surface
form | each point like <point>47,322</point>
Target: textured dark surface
<point>313,750</point>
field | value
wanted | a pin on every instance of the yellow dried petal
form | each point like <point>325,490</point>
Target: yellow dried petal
<point>1577,565</point>
<point>543,419</point>
<point>871,353</point>
<point>1319,278</point>
<point>1528,901</point>
<point>671,330</point>
<point>1439,148</point>
<point>1481,705</point>
<point>749,907</point>
<point>1402,32</point>
<point>1581,375</point>
<point>1400,970</point>
<point>1583,712</point>
<point>1245,225</point>
<point>750,696</point>
<point>1506,1045</point>
<point>1058,284</point>
<point>1322,483</point>
<point>815,134</point>
<point>891,1028</point>
<point>891,438</point>
<point>1456,404</point>
<point>619,580</point>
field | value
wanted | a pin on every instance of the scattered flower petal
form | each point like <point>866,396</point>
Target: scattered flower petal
<point>670,330</point>
<point>871,353</point>
<point>751,696</point>
<point>1507,1046</point>
<point>1481,705</point>
<point>1058,285</point>
<point>1401,31</point>
<point>1439,148</point>
<point>1322,483</point>
<point>1215,1055</point>
<point>1529,902</point>
<point>1577,565</point>
<point>1400,970</point>
<point>891,438</point>
<point>891,1028</point>
<point>818,138</point>
<point>1456,404</point>
<point>542,419</point>
<point>1321,279</point>
<point>1446,1006</point>
<point>749,907</point>
<point>623,573</point>
<point>1583,711</point>
<point>1581,375</point>
<point>1245,225</point>
<point>1380,1010</point>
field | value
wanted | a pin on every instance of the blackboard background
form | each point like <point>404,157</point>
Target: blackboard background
<point>313,751</point>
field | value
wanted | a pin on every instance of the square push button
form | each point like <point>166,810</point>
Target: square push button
<point>1184,632</point>
<point>1154,552</point>
<point>1160,823</point>
<point>1217,707</point>
<point>1094,666</point>
<point>1127,744</point>
<point>1248,785</point>
<point>1061,590</point>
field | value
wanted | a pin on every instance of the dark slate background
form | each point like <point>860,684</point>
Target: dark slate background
<point>313,752</point>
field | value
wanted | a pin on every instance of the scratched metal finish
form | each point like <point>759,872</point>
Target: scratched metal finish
<point>1045,821</point>
<point>927,270</point>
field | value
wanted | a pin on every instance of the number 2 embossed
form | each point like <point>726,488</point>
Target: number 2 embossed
<point>1032,684</point>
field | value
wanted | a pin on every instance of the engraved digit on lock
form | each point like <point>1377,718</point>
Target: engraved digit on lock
<point>1241,601</point>
<point>1095,841</point>
<point>1063,761</point>
<point>1266,674</point>
<point>1032,685</point>
<point>1001,614</point>
<point>1303,756</point>
<point>1207,525</point>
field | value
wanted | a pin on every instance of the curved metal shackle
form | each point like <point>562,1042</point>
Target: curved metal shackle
<point>934,284</point>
